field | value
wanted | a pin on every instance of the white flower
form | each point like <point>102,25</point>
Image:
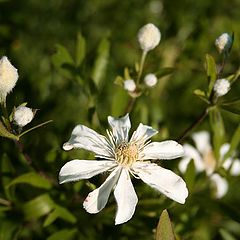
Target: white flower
<point>22,116</point>
<point>204,160</point>
<point>129,85</point>
<point>149,37</point>
<point>8,78</point>
<point>221,87</point>
<point>223,43</point>
<point>150,80</point>
<point>122,157</point>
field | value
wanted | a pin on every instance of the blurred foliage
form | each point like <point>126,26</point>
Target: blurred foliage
<point>68,54</point>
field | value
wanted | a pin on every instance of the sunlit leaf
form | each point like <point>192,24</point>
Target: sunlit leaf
<point>5,133</point>
<point>66,234</point>
<point>211,72</point>
<point>101,62</point>
<point>38,207</point>
<point>33,179</point>
<point>164,228</point>
<point>226,235</point>
<point>80,49</point>
<point>218,129</point>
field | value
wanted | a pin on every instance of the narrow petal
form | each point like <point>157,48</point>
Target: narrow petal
<point>120,128</point>
<point>143,133</point>
<point>191,153</point>
<point>202,141</point>
<point>164,180</point>
<point>126,198</point>
<point>97,199</point>
<point>83,169</point>
<point>86,138</point>
<point>163,150</point>
<point>221,185</point>
<point>183,164</point>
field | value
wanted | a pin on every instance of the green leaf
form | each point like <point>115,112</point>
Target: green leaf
<point>233,106</point>
<point>80,49</point>
<point>234,143</point>
<point>61,59</point>
<point>101,62</point>
<point>164,228</point>
<point>50,218</point>
<point>190,175</point>
<point>38,207</point>
<point>8,229</point>
<point>33,179</point>
<point>218,129</point>
<point>126,73</point>
<point>226,235</point>
<point>66,234</point>
<point>5,133</point>
<point>211,72</point>
<point>119,102</point>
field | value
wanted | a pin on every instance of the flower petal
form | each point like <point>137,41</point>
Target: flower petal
<point>191,153</point>
<point>164,180</point>
<point>86,138</point>
<point>235,168</point>
<point>126,198</point>
<point>202,141</point>
<point>221,185</point>
<point>97,199</point>
<point>83,169</point>
<point>163,150</point>
<point>120,128</point>
<point>143,133</point>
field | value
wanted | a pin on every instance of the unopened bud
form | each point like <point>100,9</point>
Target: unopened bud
<point>22,116</point>
<point>8,78</point>
<point>150,80</point>
<point>129,85</point>
<point>221,87</point>
<point>223,43</point>
<point>149,37</point>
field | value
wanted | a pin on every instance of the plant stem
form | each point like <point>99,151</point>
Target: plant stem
<point>192,126</point>
<point>144,54</point>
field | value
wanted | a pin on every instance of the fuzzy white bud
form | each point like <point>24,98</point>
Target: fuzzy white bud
<point>149,37</point>
<point>221,87</point>
<point>150,80</point>
<point>129,85</point>
<point>22,116</point>
<point>223,43</point>
<point>8,78</point>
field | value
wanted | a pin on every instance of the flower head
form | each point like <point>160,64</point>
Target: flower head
<point>150,80</point>
<point>123,157</point>
<point>204,160</point>
<point>8,78</point>
<point>22,116</point>
<point>129,85</point>
<point>221,87</point>
<point>224,43</point>
<point>149,37</point>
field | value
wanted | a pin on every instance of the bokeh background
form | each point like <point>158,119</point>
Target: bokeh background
<point>40,38</point>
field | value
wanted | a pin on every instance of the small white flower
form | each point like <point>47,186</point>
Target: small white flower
<point>221,87</point>
<point>150,80</point>
<point>22,116</point>
<point>8,78</point>
<point>122,157</point>
<point>204,160</point>
<point>223,43</point>
<point>129,85</point>
<point>149,37</point>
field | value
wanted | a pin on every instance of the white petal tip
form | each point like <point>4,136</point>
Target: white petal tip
<point>67,146</point>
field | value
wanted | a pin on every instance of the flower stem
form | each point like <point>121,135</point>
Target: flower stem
<point>144,54</point>
<point>37,126</point>
<point>192,126</point>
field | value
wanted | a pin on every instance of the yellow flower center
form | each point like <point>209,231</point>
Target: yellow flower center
<point>126,154</point>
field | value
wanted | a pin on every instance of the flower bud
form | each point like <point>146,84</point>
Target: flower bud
<point>129,85</point>
<point>8,78</point>
<point>223,43</point>
<point>221,87</point>
<point>149,37</point>
<point>22,116</point>
<point>150,80</point>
